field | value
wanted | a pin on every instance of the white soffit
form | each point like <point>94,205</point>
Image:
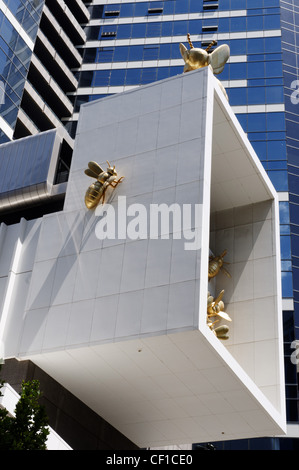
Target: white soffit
<point>165,390</point>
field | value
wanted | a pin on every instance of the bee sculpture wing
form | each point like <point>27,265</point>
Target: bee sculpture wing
<point>219,297</point>
<point>95,167</point>
<point>219,57</point>
<point>91,173</point>
<point>224,315</point>
<point>184,51</point>
<point>226,272</point>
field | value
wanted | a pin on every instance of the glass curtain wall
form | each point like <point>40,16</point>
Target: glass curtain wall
<point>15,55</point>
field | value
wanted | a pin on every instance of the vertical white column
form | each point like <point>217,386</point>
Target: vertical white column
<point>11,279</point>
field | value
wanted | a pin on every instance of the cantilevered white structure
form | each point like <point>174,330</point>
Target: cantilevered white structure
<point>122,323</point>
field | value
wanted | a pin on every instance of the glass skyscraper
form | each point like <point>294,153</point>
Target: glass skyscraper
<point>132,43</point>
<point>19,22</point>
<point>38,40</point>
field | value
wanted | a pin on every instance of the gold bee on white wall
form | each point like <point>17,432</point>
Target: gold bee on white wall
<point>215,312</point>
<point>216,265</point>
<point>96,191</point>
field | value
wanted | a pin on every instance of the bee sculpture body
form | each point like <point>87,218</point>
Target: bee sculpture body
<point>196,58</point>
<point>97,191</point>
<point>216,264</point>
<point>215,309</point>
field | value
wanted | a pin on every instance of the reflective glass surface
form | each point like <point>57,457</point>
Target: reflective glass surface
<point>15,55</point>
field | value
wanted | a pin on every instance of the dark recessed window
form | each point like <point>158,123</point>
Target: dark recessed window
<point>112,13</point>
<point>155,11</point>
<point>108,34</point>
<point>210,28</point>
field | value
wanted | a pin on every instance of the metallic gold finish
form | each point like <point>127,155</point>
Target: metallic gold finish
<point>189,40</point>
<point>221,332</point>
<point>96,191</point>
<point>215,308</point>
<point>196,58</point>
<point>216,264</point>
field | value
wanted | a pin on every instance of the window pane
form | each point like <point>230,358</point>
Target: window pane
<point>256,95</point>
<point>255,46</point>
<point>237,71</point>
<point>275,121</point>
<point>127,9</point>
<point>133,76</point>
<point>238,24</point>
<point>153,30</point>
<point>256,69</point>
<point>138,30</point>
<point>254,23</point>
<point>148,75</point>
<point>256,122</point>
<point>141,8</point>
<point>277,150</point>
<point>274,94</point>
<point>260,149</point>
<point>237,96</point>
<point>135,53</point>
<point>165,51</point>
<point>151,53</point>
<point>121,54</point>
<point>105,54</point>
<point>287,284</point>
<point>279,179</point>
<point>117,77</point>
<point>180,28</point>
<point>238,46</point>
<point>101,78</point>
<point>123,30</point>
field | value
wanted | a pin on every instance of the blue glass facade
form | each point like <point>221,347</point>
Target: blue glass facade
<point>134,43</point>
<point>15,56</point>
<point>290,50</point>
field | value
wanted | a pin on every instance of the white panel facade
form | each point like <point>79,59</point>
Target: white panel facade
<point>121,322</point>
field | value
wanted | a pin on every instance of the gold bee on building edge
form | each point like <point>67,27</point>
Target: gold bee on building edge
<point>215,309</point>
<point>216,264</point>
<point>196,58</point>
<point>97,191</point>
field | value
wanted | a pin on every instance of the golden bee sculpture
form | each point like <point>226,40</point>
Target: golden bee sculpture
<point>215,308</point>
<point>216,265</point>
<point>196,58</point>
<point>97,191</point>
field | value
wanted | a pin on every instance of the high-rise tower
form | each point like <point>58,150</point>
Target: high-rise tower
<point>39,42</point>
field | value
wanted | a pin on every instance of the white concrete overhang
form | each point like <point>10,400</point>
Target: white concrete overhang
<point>178,383</point>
